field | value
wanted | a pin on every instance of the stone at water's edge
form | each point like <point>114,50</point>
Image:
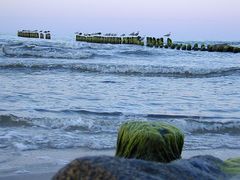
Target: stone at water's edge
<point>112,168</point>
<point>151,141</point>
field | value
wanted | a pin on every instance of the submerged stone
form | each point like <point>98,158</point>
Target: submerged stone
<point>151,141</point>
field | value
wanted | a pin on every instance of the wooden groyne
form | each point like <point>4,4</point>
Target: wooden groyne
<point>136,40</point>
<point>156,42</point>
<point>34,34</point>
<point>159,43</point>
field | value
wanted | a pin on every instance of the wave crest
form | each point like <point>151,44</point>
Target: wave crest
<point>133,70</point>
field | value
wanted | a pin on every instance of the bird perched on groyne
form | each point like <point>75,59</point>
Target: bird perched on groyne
<point>168,35</point>
<point>132,34</point>
<point>136,34</point>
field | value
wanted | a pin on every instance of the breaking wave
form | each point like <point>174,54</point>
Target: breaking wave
<point>133,70</point>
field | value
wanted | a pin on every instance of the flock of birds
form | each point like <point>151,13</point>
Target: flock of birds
<point>36,31</point>
<point>114,34</point>
<point>95,34</point>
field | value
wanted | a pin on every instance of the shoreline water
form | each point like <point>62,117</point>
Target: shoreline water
<point>43,164</point>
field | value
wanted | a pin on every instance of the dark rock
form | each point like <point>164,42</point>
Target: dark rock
<point>104,167</point>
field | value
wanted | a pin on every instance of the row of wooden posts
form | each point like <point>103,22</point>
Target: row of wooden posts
<point>111,40</point>
<point>34,34</point>
<point>159,43</point>
<point>138,40</point>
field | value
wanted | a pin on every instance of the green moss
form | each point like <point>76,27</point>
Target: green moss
<point>152,141</point>
<point>232,166</point>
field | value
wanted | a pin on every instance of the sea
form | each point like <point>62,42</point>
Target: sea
<point>62,94</point>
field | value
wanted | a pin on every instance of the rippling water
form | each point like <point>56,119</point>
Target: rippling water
<point>64,94</point>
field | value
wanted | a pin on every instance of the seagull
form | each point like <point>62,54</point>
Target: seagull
<point>136,34</point>
<point>132,34</point>
<point>168,35</point>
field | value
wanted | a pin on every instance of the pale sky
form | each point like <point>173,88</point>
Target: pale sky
<point>186,19</point>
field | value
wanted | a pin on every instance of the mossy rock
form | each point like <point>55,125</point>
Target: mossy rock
<point>184,47</point>
<point>151,141</point>
<point>189,47</point>
<point>232,166</point>
<point>166,46</point>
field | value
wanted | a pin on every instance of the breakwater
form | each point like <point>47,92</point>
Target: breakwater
<point>156,42</point>
<point>169,44</point>
<point>34,34</point>
<point>137,40</point>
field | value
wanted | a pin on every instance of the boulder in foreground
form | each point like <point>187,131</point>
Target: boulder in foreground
<point>113,168</point>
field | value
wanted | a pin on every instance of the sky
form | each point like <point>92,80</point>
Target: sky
<point>185,19</point>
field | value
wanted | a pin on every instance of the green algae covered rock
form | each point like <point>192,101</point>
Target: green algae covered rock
<point>151,141</point>
<point>232,166</point>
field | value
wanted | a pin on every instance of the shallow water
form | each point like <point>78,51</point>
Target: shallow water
<point>64,94</point>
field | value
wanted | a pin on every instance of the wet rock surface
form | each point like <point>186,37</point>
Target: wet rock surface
<point>106,167</point>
